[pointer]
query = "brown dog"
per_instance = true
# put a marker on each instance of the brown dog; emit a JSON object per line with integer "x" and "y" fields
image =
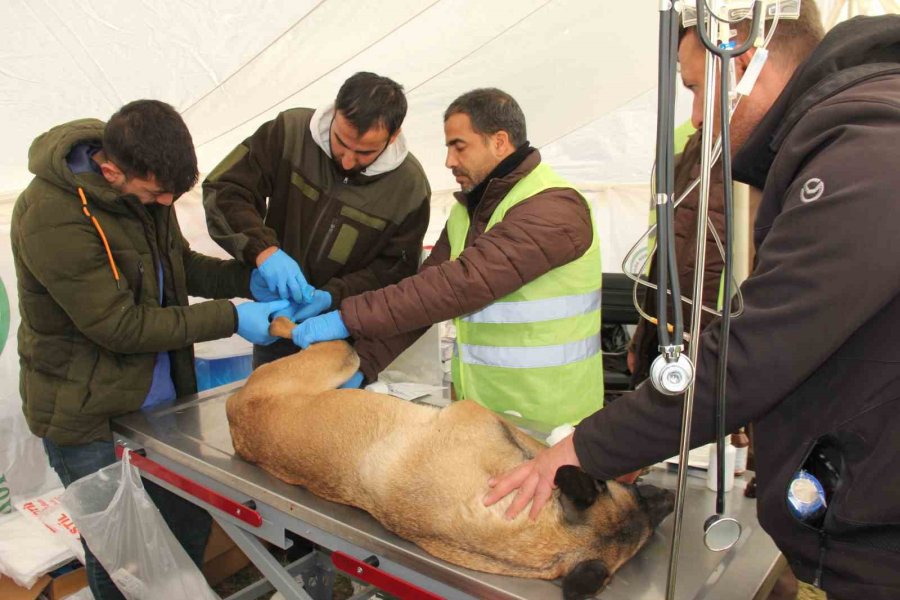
{"x": 423, "y": 471}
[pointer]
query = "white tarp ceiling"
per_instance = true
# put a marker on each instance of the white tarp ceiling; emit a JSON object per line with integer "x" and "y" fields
{"x": 230, "y": 65}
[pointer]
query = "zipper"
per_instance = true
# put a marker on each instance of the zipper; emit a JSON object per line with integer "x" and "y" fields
{"x": 324, "y": 243}
{"x": 823, "y": 540}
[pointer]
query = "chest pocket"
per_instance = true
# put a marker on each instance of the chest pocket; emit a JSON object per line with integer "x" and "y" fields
{"x": 357, "y": 234}
{"x": 132, "y": 267}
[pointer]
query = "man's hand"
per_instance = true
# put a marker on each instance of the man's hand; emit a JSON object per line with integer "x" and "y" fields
{"x": 320, "y": 301}
{"x": 283, "y": 276}
{"x": 533, "y": 479}
{"x": 253, "y": 320}
{"x": 259, "y": 289}
{"x": 323, "y": 328}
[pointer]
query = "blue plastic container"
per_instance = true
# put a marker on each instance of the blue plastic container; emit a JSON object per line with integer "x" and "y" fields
{"x": 219, "y": 371}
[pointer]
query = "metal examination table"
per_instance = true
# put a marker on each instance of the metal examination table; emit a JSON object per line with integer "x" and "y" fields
{"x": 187, "y": 448}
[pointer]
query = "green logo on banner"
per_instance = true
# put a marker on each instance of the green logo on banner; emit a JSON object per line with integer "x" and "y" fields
{"x": 4, "y": 316}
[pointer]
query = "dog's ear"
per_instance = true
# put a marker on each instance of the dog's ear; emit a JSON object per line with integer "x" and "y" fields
{"x": 577, "y": 491}
{"x": 585, "y": 580}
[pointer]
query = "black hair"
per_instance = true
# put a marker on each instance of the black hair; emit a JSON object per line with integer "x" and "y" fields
{"x": 368, "y": 100}
{"x": 491, "y": 110}
{"x": 149, "y": 137}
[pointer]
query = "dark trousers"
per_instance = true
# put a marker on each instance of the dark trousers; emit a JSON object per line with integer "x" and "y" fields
{"x": 189, "y": 523}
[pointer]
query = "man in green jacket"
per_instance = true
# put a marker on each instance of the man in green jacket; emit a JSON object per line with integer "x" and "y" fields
{"x": 328, "y": 197}
{"x": 103, "y": 277}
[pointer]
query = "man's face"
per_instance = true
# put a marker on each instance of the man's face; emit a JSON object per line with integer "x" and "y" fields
{"x": 750, "y": 111}
{"x": 470, "y": 156}
{"x": 351, "y": 151}
{"x": 146, "y": 189}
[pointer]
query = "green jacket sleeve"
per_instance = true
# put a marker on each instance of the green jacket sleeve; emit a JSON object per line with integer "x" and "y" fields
{"x": 69, "y": 261}
{"x": 235, "y": 193}
{"x": 209, "y": 277}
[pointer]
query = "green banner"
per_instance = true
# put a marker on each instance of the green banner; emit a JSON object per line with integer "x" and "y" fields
{"x": 4, "y": 316}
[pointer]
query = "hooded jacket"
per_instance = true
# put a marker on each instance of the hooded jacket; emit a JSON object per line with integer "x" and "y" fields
{"x": 813, "y": 361}
{"x": 88, "y": 340}
{"x": 280, "y": 188}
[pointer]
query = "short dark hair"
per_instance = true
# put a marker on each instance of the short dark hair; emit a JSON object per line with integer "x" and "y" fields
{"x": 149, "y": 137}
{"x": 367, "y": 100}
{"x": 794, "y": 39}
{"x": 491, "y": 110}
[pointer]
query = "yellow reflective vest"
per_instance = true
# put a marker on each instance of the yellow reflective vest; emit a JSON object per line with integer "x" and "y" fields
{"x": 535, "y": 352}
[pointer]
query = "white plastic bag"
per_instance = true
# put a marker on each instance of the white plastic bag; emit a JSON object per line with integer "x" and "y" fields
{"x": 130, "y": 538}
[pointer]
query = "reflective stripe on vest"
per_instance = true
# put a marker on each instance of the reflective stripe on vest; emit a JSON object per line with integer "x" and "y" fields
{"x": 537, "y": 350}
{"x": 529, "y": 311}
{"x": 510, "y": 357}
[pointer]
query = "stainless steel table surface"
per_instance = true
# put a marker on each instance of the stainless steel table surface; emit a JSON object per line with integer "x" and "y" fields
{"x": 193, "y": 434}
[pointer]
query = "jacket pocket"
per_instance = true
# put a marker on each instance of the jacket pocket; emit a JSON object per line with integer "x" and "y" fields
{"x": 871, "y": 474}
{"x": 355, "y": 237}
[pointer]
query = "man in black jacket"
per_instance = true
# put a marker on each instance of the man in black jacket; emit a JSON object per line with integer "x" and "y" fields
{"x": 813, "y": 363}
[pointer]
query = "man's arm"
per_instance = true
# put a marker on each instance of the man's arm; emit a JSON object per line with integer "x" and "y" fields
{"x": 398, "y": 259}
{"x": 235, "y": 193}
{"x": 69, "y": 261}
{"x": 535, "y": 236}
{"x": 209, "y": 277}
{"x": 802, "y": 302}
{"x": 375, "y": 354}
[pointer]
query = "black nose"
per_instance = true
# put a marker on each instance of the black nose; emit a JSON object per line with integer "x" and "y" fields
{"x": 658, "y": 502}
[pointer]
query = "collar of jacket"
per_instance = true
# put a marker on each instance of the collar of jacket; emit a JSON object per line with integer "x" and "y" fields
{"x": 497, "y": 187}
{"x": 392, "y": 157}
{"x": 853, "y": 51}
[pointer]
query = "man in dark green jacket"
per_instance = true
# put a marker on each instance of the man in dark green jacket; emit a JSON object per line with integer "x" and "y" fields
{"x": 103, "y": 277}
{"x": 328, "y": 197}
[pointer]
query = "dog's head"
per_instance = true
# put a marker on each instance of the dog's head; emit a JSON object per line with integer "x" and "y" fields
{"x": 612, "y": 518}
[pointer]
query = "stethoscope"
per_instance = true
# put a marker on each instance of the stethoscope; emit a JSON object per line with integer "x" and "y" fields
{"x": 672, "y": 372}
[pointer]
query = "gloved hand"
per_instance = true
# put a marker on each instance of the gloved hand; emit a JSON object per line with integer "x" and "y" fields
{"x": 259, "y": 289}
{"x": 298, "y": 313}
{"x": 253, "y": 320}
{"x": 354, "y": 382}
{"x": 321, "y": 300}
{"x": 284, "y": 277}
{"x": 323, "y": 328}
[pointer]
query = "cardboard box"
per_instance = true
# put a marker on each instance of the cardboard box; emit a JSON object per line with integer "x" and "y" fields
{"x": 54, "y": 588}
{"x": 222, "y": 558}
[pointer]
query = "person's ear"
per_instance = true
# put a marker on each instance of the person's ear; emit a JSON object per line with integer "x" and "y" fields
{"x": 741, "y": 63}
{"x": 394, "y": 137}
{"x": 112, "y": 173}
{"x": 500, "y": 143}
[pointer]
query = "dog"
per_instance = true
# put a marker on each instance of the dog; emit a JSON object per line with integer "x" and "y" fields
{"x": 422, "y": 471}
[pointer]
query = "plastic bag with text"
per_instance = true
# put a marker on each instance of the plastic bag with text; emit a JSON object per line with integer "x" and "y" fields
{"x": 130, "y": 538}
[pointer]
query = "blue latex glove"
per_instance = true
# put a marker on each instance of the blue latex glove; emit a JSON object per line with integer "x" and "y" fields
{"x": 298, "y": 313}
{"x": 320, "y": 329}
{"x": 253, "y": 320}
{"x": 354, "y": 382}
{"x": 259, "y": 289}
{"x": 321, "y": 300}
{"x": 284, "y": 277}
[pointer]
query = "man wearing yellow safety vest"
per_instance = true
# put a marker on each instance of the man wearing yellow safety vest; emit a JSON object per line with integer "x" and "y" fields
{"x": 517, "y": 267}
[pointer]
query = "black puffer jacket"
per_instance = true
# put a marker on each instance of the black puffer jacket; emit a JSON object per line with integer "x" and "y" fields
{"x": 813, "y": 361}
